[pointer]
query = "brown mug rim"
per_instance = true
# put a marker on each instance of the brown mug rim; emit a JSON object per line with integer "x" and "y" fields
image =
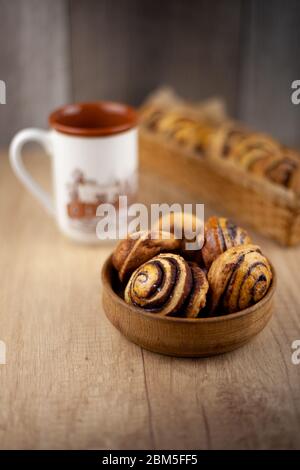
{"x": 130, "y": 121}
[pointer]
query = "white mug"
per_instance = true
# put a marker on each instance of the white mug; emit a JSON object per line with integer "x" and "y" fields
{"x": 93, "y": 150}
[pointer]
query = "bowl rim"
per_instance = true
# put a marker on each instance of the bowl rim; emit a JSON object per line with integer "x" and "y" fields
{"x": 108, "y": 266}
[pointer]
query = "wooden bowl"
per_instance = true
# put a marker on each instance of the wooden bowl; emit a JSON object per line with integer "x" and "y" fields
{"x": 183, "y": 337}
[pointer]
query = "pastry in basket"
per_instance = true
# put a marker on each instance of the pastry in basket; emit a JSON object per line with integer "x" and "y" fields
{"x": 238, "y": 278}
{"x": 168, "y": 285}
{"x": 285, "y": 170}
{"x": 224, "y": 139}
{"x": 264, "y": 157}
{"x": 249, "y": 175}
{"x": 203, "y": 136}
{"x": 185, "y": 134}
{"x": 220, "y": 234}
{"x": 172, "y": 122}
{"x": 193, "y": 135}
{"x": 150, "y": 116}
{"x": 253, "y": 150}
{"x": 139, "y": 247}
{"x": 255, "y": 153}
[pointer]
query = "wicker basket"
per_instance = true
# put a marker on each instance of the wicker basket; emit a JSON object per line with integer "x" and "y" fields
{"x": 270, "y": 209}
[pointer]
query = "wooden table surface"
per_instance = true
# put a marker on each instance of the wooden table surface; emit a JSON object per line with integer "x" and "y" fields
{"x": 72, "y": 381}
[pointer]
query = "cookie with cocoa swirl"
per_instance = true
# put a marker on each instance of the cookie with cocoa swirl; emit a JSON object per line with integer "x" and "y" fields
{"x": 238, "y": 278}
{"x": 186, "y": 226}
{"x": 197, "y": 298}
{"x": 220, "y": 234}
{"x": 139, "y": 247}
{"x": 168, "y": 285}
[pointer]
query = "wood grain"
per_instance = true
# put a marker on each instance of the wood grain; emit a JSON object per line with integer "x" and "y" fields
{"x": 269, "y": 64}
{"x": 72, "y": 381}
{"x": 34, "y": 62}
{"x": 65, "y": 50}
{"x": 122, "y": 50}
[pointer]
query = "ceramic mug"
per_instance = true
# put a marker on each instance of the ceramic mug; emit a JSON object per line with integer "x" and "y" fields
{"x": 93, "y": 150}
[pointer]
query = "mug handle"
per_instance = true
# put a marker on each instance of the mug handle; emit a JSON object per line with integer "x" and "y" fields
{"x": 15, "y": 156}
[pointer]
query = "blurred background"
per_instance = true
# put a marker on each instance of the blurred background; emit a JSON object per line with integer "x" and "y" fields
{"x": 58, "y": 51}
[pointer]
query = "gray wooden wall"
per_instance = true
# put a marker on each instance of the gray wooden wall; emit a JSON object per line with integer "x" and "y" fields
{"x": 57, "y": 51}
